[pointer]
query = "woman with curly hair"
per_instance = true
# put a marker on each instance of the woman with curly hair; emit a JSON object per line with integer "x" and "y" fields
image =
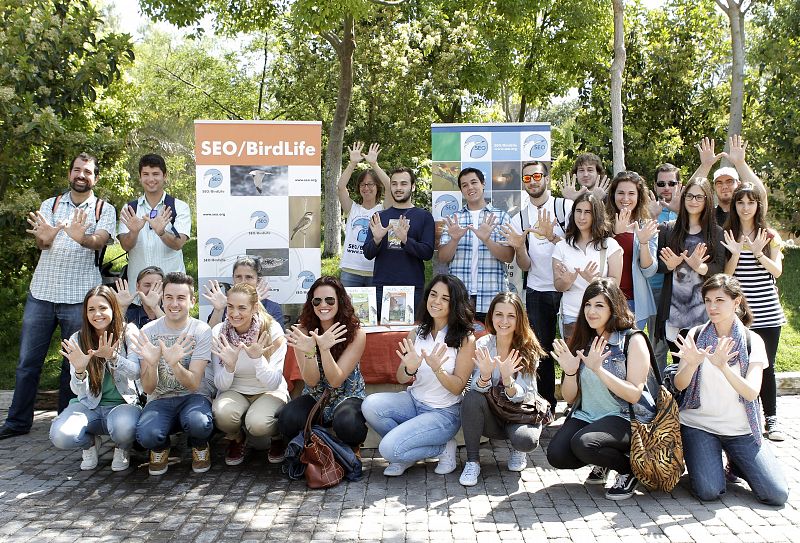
{"x": 508, "y": 354}
{"x": 422, "y": 421}
{"x": 328, "y": 343}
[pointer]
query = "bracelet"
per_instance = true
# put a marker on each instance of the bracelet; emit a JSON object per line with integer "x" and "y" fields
{"x": 441, "y": 370}
{"x": 484, "y": 381}
{"x": 405, "y": 370}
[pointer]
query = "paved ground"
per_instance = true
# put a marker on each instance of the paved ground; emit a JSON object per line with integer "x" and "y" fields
{"x": 45, "y": 497}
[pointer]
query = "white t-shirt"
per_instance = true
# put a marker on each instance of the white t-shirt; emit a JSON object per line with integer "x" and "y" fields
{"x": 540, "y": 251}
{"x": 355, "y": 235}
{"x": 574, "y": 257}
{"x": 426, "y": 387}
{"x": 720, "y": 411}
{"x": 473, "y": 266}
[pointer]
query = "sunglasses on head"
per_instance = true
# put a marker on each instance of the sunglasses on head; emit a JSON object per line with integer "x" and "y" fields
{"x": 538, "y": 176}
{"x": 663, "y": 184}
{"x": 329, "y": 300}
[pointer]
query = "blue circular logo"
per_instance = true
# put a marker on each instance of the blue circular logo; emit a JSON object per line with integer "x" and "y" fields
{"x": 535, "y": 146}
{"x": 476, "y": 146}
{"x": 361, "y": 227}
{"x": 446, "y": 205}
{"x": 306, "y": 279}
{"x": 212, "y": 178}
{"x": 215, "y": 246}
{"x": 260, "y": 220}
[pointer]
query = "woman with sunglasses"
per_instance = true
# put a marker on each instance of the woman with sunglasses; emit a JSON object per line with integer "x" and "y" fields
{"x": 328, "y": 343}
{"x": 422, "y": 421}
{"x": 105, "y": 383}
{"x": 690, "y": 249}
{"x": 720, "y": 369}
{"x": 246, "y": 269}
{"x": 627, "y": 206}
{"x": 247, "y": 359}
{"x": 756, "y": 260}
{"x": 606, "y": 365}
{"x": 508, "y": 354}
{"x": 370, "y": 185}
{"x": 587, "y": 251}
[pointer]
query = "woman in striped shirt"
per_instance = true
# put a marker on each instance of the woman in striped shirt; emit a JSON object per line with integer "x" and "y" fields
{"x": 755, "y": 259}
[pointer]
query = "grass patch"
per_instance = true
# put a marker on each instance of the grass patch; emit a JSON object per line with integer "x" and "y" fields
{"x": 788, "y": 358}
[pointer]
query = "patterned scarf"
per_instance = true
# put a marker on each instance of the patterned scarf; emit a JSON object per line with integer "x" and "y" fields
{"x": 248, "y": 338}
{"x": 708, "y": 337}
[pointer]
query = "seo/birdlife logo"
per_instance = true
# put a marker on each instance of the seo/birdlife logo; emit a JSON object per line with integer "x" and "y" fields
{"x": 212, "y": 178}
{"x": 475, "y": 146}
{"x": 305, "y": 279}
{"x": 361, "y": 227}
{"x": 259, "y": 220}
{"x": 214, "y": 246}
{"x": 535, "y": 146}
{"x": 446, "y": 205}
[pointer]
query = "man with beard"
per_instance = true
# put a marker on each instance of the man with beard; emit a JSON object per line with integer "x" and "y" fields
{"x": 587, "y": 173}
{"x": 533, "y": 234}
{"x": 400, "y": 239}
{"x": 68, "y": 229}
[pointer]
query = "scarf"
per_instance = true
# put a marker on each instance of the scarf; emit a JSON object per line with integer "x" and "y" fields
{"x": 708, "y": 337}
{"x": 248, "y": 338}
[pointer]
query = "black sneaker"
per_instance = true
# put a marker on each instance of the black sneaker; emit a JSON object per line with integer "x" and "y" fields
{"x": 597, "y": 476}
{"x": 623, "y": 487}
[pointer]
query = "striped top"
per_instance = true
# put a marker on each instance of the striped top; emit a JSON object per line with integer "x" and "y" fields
{"x": 760, "y": 290}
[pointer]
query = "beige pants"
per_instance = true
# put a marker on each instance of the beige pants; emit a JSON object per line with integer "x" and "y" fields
{"x": 258, "y": 412}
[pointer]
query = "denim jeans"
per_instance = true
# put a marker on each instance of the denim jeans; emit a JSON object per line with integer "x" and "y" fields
{"x": 349, "y": 279}
{"x": 410, "y": 429}
{"x": 39, "y": 321}
{"x": 542, "y": 309}
{"x": 190, "y": 413}
{"x": 755, "y": 464}
{"x": 77, "y": 425}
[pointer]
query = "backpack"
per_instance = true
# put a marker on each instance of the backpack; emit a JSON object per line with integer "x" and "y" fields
{"x": 98, "y": 211}
{"x": 524, "y": 223}
{"x": 169, "y": 201}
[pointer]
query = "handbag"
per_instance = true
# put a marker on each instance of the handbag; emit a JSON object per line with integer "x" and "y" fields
{"x": 322, "y": 469}
{"x": 656, "y": 447}
{"x": 533, "y": 409}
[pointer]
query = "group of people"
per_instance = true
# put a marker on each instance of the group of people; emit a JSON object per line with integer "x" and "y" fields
{"x": 603, "y": 262}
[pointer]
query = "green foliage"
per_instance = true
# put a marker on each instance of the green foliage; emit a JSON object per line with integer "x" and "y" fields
{"x": 788, "y": 358}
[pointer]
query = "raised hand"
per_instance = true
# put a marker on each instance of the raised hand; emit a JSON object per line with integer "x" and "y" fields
{"x": 561, "y": 354}
{"x": 544, "y": 224}
{"x": 675, "y": 203}
{"x": 76, "y": 357}
{"x": 453, "y": 229}
{"x": 141, "y": 345}
{"x": 401, "y": 230}
{"x": 485, "y": 363}
{"x": 569, "y": 187}
{"x": 730, "y": 243}
{"x": 42, "y": 229}
{"x": 485, "y": 229}
{"x": 759, "y": 241}
{"x": 300, "y": 341}
{"x": 510, "y": 366}
{"x": 262, "y": 288}
{"x": 590, "y": 271}
{"x": 355, "y": 152}
{"x": 227, "y": 353}
{"x": 601, "y": 188}
{"x": 105, "y": 347}
{"x": 372, "y": 155}
{"x": 408, "y": 355}
{"x": 707, "y": 156}
{"x": 655, "y": 205}
{"x": 153, "y": 297}
{"x": 565, "y": 275}
{"x": 161, "y": 221}
{"x": 333, "y": 335}
{"x": 698, "y": 257}
{"x": 128, "y": 217}
{"x": 689, "y": 352}
{"x": 177, "y": 351}
{"x": 622, "y": 223}
{"x": 214, "y": 294}
{"x": 513, "y": 238}
{"x": 264, "y": 346}
{"x": 77, "y": 227}
{"x": 736, "y": 150}
{"x": 377, "y": 228}
{"x": 597, "y": 352}
{"x": 437, "y": 357}
{"x": 122, "y": 294}
{"x": 723, "y": 352}
{"x": 645, "y": 231}
{"x": 669, "y": 258}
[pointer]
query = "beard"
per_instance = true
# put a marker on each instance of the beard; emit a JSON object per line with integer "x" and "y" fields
{"x": 402, "y": 200}
{"x": 534, "y": 192}
{"x": 85, "y": 187}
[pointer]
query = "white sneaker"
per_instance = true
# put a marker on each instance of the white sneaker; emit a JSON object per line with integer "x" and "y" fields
{"x": 517, "y": 460}
{"x": 469, "y": 477}
{"x": 396, "y": 469}
{"x": 90, "y": 455}
{"x": 122, "y": 460}
{"x": 447, "y": 460}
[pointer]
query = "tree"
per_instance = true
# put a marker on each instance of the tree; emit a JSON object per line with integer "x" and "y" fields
{"x": 736, "y": 11}
{"x": 617, "y": 69}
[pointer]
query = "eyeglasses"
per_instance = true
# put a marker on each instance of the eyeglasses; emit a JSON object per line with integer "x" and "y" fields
{"x": 663, "y": 184}
{"x": 329, "y": 300}
{"x": 698, "y": 197}
{"x": 538, "y": 176}
{"x": 368, "y": 185}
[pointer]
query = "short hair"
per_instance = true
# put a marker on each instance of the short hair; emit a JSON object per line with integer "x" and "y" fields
{"x": 667, "y": 167}
{"x": 153, "y": 161}
{"x": 404, "y": 169}
{"x": 588, "y": 159}
{"x": 469, "y": 170}
{"x": 545, "y": 166}
{"x": 378, "y": 185}
{"x": 150, "y": 270}
{"x": 179, "y": 278}
{"x": 86, "y": 157}
{"x": 250, "y": 261}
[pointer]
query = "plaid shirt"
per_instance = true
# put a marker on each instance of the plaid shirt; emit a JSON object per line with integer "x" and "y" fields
{"x": 492, "y": 274}
{"x": 66, "y": 270}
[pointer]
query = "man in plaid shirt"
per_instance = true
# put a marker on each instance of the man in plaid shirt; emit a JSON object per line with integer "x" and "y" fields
{"x": 470, "y": 243}
{"x": 68, "y": 233}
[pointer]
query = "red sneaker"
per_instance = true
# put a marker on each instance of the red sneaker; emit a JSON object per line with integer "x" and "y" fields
{"x": 234, "y": 455}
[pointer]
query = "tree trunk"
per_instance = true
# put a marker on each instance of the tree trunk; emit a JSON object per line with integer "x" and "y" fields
{"x": 333, "y": 156}
{"x": 736, "y": 18}
{"x": 617, "y": 68}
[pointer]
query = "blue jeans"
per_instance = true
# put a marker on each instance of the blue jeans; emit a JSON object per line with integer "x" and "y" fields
{"x": 755, "y": 464}
{"x": 39, "y": 321}
{"x": 410, "y": 429}
{"x": 77, "y": 425}
{"x": 190, "y": 413}
{"x": 542, "y": 309}
{"x": 354, "y": 280}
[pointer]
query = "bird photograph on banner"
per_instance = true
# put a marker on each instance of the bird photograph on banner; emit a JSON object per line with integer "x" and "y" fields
{"x": 305, "y": 227}
{"x": 259, "y": 180}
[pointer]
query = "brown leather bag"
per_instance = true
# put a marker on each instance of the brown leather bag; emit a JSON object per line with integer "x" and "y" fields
{"x": 532, "y": 410}
{"x": 322, "y": 469}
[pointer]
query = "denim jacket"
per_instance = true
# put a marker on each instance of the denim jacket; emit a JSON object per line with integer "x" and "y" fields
{"x": 644, "y": 410}
{"x": 524, "y": 381}
{"x": 642, "y": 293}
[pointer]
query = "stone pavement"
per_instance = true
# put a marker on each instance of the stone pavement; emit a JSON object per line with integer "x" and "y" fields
{"x": 45, "y": 497}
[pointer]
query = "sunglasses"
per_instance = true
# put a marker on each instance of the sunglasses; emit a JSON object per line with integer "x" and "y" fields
{"x": 663, "y": 184}
{"x": 538, "y": 176}
{"x": 329, "y": 300}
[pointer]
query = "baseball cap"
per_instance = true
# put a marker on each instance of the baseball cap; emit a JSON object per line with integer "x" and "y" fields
{"x": 727, "y": 170}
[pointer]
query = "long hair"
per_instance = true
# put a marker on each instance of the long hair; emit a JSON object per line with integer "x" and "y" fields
{"x": 362, "y": 177}
{"x": 640, "y": 212}
{"x": 523, "y": 340}
{"x": 600, "y": 230}
{"x": 707, "y": 220}
{"x": 734, "y": 222}
{"x": 89, "y": 337}
{"x": 345, "y": 314}
{"x": 732, "y": 288}
{"x": 621, "y": 316}
{"x": 255, "y": 303}
{"x": 460, "y": 315}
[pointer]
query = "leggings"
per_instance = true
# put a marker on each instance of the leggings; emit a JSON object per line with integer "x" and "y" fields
{"x": 604, "y": 443}
{"x": 771, "y": 336}
{"x": 478, "y": 420}
{"x": 348, "y": 422}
